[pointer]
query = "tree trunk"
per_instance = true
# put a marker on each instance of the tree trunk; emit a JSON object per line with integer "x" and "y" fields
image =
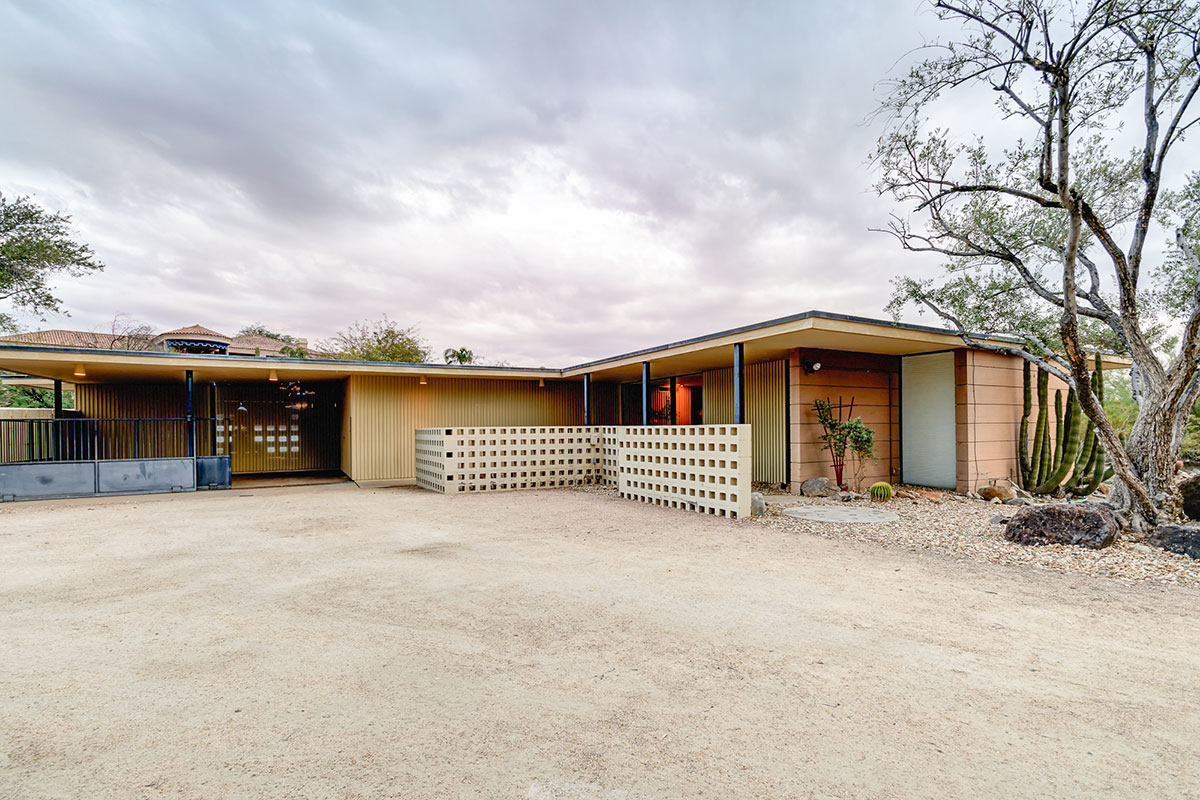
{"x": 1152, "y": 455}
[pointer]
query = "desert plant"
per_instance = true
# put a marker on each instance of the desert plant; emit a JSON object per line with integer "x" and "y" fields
{"x": 1070, "y": 457}
{"x": 881, "y": 492}
{"x": 842, "y": 434}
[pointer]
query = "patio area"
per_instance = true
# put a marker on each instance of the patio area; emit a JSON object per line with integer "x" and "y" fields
{"x": 332, "y": 641}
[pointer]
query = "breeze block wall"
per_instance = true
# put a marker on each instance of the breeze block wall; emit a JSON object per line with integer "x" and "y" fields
{"x": 702, "y": 468}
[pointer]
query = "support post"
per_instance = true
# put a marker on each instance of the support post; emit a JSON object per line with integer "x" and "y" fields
{"x": 674, "y": 405}
{"x": 212, "y": 419}
{"x": 587, "y": 398}
{"x": 739, "y": 384}
{"x": 191, "y": 420}
{"x": 645, "y": 392}
{"x": 58, "y": 439}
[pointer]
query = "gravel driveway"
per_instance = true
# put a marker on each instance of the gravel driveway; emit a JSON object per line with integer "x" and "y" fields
{"x": 335, "y": 642}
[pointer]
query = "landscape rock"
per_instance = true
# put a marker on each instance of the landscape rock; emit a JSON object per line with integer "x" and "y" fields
{"x": 999, "y": 519}
{"x": 758, "y": 504}
{"x": 930, "y": 495}
{"x": 1083, "y": 524}
{"x": 1182, "y": 539}
{"x": 819, "y": 487}
{"x": 846, "y": 497}
{"x": 1018, "y": 501}
{"x": 1190, "y": 489}
{"x": 1000, "y": 490}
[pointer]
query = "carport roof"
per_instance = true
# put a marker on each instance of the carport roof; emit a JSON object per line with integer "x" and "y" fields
{"x": 763, "y": 341}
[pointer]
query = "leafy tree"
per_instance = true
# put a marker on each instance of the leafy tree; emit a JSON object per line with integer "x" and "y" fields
{"x": 840, "y": 435}
{"x": 258, "y": 329}
{"x": 27, "y": 397}
{"x": 460, "y": 355}
{"x": 1052, "y": 211}
{"x": 35, "y": 244}
{"x": 381, "y": 340}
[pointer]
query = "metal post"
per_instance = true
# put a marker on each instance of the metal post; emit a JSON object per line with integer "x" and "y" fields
{"x": 58, "y": 448}
{"x": 645, "y": 392}
{"x": 191, "y": 420}
{"x": 212, "y": 419}
{"x": 739, "y": 384}
{"x": 674, "y": 406}
{"x": 587, "y": 398}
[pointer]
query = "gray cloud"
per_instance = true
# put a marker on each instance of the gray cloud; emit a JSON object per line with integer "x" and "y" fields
{"x": 543, "y": 182}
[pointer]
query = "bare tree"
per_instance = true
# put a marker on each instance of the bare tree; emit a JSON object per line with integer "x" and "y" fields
{"x": 1048, "y": 232}
{"x": 126, "y": 333}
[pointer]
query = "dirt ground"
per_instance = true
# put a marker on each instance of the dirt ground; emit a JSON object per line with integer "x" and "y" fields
{"x": 335, "y": 642}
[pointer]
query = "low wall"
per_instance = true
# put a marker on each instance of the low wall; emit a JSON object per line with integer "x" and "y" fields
{"x": 703, "y": 468}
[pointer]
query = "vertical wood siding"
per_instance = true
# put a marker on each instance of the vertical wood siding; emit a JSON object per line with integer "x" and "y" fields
{"x": 766, "y": 412}
{"x": 383, "y": 413}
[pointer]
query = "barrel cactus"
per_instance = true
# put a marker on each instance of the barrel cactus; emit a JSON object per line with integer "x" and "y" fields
{"x": 881, "y": 492}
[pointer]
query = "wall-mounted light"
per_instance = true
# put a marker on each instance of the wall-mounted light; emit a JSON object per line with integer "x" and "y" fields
{"x": 80, "y": 372}
{"x": 811, "y": 366}
{"x": 541, "y": 383}
{"x": 274, "y": 376}
{"x": 424, "y": 382}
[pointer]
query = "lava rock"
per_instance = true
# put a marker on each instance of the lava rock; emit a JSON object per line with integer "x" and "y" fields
{"x": 819, "y": 487}
{"x": 1002, "y": 491}
{"x": 758, "y": 504}
{"x": 1082, "y": 524}
{"x": 1182, "y": 539}
{"x": 1190, "y": 489}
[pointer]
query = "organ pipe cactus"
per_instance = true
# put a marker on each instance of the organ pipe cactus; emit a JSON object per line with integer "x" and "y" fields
{"x": 1070, "y": 458}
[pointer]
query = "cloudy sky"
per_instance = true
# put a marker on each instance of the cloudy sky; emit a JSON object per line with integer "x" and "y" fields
{"x": 545, "y": 183}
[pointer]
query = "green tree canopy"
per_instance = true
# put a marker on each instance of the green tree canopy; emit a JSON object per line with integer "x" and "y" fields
{"x": 460, "y": 355}
{"x": 35, "y": 244}
{"x": 380, "y": 340}
{"x": 258, "y": 329}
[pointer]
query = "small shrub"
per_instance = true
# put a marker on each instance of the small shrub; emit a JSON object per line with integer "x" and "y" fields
{"x": 881, "y": 492}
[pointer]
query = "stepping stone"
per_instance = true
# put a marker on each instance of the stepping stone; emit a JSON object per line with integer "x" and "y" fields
{"x": 840, "y": 514}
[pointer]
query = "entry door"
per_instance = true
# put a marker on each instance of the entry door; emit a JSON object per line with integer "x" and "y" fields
{"x": 927, "y": 432}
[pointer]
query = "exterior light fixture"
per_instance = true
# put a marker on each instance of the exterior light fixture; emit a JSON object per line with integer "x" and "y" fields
{"x": 811, "y": 366}
{"x": 541, "y": 383}
{"x": 424, "y": 381}
{"x": 80, "y": 372}
{"x": 273, "y": 376}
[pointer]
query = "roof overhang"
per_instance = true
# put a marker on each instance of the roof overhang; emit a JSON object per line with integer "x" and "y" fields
{"x": 765, "y": 341}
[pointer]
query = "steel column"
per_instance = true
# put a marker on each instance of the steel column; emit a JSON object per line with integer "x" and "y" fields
{"x": 645, "y": 392}
{"x": 58, "y": 448}
{"x": 191, "y": 420}
{"x": 739, "y": 384}
{"x": 587, "y": 398}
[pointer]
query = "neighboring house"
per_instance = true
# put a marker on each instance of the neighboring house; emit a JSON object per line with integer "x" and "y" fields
{"x": 192, "y": 339}
{"x": 944, "y": 415}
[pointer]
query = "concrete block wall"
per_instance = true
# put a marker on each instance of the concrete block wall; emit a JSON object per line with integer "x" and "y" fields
{"x": 703, "y": 468}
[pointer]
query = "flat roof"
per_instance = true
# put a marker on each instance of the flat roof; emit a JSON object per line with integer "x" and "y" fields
{"x": 763, "y": 341}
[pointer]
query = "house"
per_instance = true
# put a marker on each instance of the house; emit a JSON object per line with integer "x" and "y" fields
{"x": 191, "y": 339}
{"x": 944, "y": 415}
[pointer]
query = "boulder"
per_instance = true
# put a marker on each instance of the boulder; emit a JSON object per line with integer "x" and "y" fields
{"x": 1000, "y": 490}
{"x": 1083, "y": 524}
{"x": 1182, "y": 539}
{"x": 819, "y": 487}
{"x": 758, "y": 504}
{"x": 1190, "y": 489}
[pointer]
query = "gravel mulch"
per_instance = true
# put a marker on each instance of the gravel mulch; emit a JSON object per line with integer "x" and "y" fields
{"x": 958, "y": 526}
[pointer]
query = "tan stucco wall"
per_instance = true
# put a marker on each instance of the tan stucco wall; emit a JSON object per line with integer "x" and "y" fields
{"x": 383, "y": 412}
{"x": 873, "y": 383}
